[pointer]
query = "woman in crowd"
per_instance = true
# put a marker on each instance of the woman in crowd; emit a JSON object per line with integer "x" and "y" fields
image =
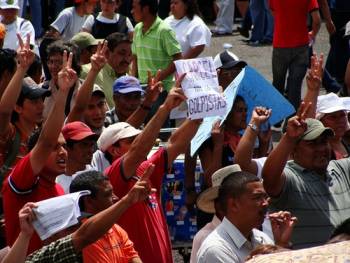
{"x": 191, "y": 32}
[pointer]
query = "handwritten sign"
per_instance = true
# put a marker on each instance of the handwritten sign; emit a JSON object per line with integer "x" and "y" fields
{"x": 200, "y": 86}
{"x": 256, "y": 91}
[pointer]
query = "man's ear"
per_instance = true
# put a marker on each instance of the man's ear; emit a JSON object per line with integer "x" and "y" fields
{"x": 88, "y": 202}
{"x": 232, "y": 205}
{"x": 114, "y": 151}
{"x": 18, "y": 109}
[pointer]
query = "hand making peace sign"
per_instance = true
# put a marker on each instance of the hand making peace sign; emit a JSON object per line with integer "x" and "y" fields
{"x": 25, "y": 56}
{"x": 67, "y": 76}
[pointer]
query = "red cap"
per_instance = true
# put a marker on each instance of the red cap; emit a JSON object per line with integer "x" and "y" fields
{"x": 77, "y": 131}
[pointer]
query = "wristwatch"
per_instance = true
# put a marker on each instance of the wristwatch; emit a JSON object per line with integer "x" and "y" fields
{"x": 253, "y": 127}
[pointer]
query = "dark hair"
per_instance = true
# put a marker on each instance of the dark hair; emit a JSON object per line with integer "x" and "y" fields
{"x": 115, "y": 39}
{"x": 192, "y": 8}
{"x": 152, "y": 5}
{"x": 238, "y": 99}
{"x": 35, "y": 66}
{"x": 7, "y": 61}
{"x": 87, "y": 180}
{"x": 343, "y": 228}
{"x": 58, "y": 47}
{"x": 234, "y": 185}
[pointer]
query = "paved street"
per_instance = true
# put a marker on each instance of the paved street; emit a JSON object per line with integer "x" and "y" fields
{"x": 259, "y": 57}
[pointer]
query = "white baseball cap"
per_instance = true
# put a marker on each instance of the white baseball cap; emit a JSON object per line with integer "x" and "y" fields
{"x": 331, "y": 103}
{"x": 114, "y": 133}
{"x": 9, "y": 4}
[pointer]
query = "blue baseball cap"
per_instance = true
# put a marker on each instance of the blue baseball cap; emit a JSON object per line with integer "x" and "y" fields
{"x": 127, "y": 84}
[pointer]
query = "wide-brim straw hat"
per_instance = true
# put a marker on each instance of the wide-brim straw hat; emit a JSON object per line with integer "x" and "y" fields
{"x": 205, "y": 200}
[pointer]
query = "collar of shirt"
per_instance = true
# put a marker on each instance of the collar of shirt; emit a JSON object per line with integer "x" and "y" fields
{"x": 155, "y": 24}
{"x": 110, "y": 71}
{"x": 238, "y": 239}
{"x": 216, "y": 221}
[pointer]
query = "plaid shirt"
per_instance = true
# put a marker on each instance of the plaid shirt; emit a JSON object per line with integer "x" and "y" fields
{"x": 60, "y": 251}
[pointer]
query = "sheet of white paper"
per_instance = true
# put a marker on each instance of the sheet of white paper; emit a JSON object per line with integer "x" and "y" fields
{"x": 55, "y": 214}
{"x": 201, "y": 88}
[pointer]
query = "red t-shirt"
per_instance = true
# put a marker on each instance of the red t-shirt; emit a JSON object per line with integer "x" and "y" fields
{"x": 144, "y": 221}
{"x": 114, "y": 247}
{"x": 291, "y": 22}
{"x": 23, "y": 186}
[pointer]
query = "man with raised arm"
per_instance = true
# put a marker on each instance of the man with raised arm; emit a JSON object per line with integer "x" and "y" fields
{"x": 33, "y": 178}
{"x": 21, "y": 108}
{"x": 311, "y": 186}
{"x": 145, "y": 222}
{"x": 69, "y": 248}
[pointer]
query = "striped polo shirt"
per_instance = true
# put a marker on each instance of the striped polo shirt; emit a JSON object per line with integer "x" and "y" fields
{"x": 319, "y": 204}
{"x": 155, "y": 49}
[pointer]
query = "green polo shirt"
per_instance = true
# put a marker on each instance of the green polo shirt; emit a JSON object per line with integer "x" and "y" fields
{"x": 155, "y": 49}
{"x": 105, "y": 79}
{"x": 319, "y": 202}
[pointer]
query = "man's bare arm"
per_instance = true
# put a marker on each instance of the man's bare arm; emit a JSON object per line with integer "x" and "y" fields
{"x": 145, "y": 140}
{"x": 52, "y": 127}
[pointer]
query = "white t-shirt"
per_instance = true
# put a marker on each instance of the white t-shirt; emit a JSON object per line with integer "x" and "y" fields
{"x": 91, "y": 20}
{"x": 21, "y": 26}
{"x": 190, "y": 33}
{"x": 69, "y": 23}
{"x": 64, "y": 181}
{"x": 99, "y": 161}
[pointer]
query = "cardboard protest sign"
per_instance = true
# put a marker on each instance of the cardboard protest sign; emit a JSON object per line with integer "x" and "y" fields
{"x": 200, "y": 86}
{"x": 256, "y": 91}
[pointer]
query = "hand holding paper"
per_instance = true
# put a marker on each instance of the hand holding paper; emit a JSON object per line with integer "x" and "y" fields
{"x": 201, "y": 88}
{"x": 55, "y": 214}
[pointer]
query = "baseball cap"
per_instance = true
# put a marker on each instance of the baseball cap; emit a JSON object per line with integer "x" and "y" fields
{"x": 2, "y": 31}
{"x": 77, "y": 131}
{"x": 127, "y": 84}
{"x": 330, "y": 103}
{"x": 31, "y": 90}
{"x": 315, "y": 129}
{"x": 205, "y": 200}
{"x": 84, "y": 40}
{"x": 9, "y": 4}
{"x": 227, "y": 60}
{"x": 98, "y": 91}
{"x": 114, "y": 133}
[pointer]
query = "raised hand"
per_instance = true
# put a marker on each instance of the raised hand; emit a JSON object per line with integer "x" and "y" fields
{"x": 154, "y": 88}
{"x": 260, "y": 115}
{"x": 217, "y": 133}
{"x": 26, "y": 217}
{"x": 67, "y": 76}
{"x": 142, "y": 189}
{"x": 25, "y": 56}
{"x": 175, "y": 95}
{"x": 282, "y": 224}
{"x": 296, "y": 125}
{"x": 98, "y": 60}
{"x": 315, "y": 73}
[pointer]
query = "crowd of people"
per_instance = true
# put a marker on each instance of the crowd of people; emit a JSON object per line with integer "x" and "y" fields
{"x": 82, "y": 104}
